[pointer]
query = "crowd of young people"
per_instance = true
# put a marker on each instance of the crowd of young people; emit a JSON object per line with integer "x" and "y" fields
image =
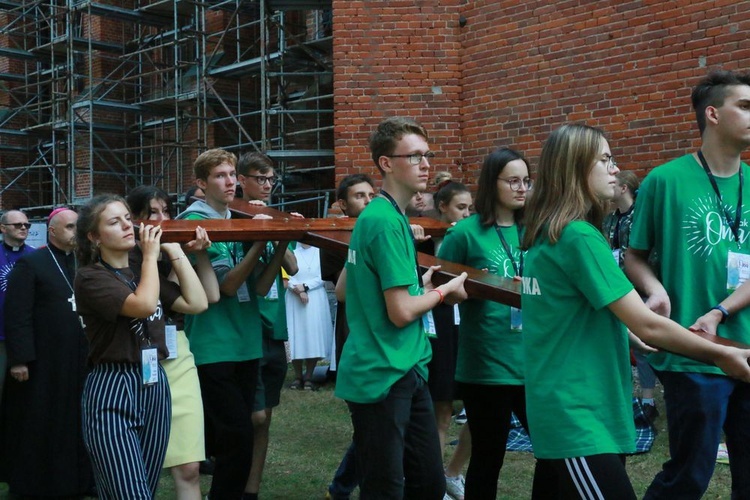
{"x": 177, "y": 333}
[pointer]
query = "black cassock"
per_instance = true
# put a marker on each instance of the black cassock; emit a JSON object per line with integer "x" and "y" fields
{"x": 42, "y": 444}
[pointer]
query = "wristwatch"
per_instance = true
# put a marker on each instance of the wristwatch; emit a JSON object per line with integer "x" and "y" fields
{"x": 307, "y": 288}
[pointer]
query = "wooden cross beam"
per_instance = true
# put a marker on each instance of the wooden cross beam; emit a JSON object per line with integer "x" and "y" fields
{"x": 333, "y": 234}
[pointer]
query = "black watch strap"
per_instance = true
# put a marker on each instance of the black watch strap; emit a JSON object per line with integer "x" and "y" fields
{"x": 723, "y": 311}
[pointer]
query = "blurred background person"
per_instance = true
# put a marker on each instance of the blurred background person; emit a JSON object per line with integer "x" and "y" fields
{"x": 308, "y": 317}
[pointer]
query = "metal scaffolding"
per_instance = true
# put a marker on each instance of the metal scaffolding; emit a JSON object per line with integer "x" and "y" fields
{"x": 102, "y": 97}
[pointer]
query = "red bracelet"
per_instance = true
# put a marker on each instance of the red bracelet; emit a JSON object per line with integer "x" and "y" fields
{"x": 442, "y": 297}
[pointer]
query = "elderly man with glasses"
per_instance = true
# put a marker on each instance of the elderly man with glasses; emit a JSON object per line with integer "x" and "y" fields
{"x": 14, "y": 226}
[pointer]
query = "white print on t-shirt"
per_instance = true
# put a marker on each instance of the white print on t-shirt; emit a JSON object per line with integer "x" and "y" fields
{"x": 531, "y": 286}
{"x": 351, "y": 257}
{"x": 500, "y": 264}
{"x": 706, "y": 227}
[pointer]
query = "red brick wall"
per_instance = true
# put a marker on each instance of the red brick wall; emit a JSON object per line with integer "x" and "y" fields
{"x": 398, "y": 57}
{"x": 517, "y": 70}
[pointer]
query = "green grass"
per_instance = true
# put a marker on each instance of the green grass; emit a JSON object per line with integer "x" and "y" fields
{"x": 311, "y": 431}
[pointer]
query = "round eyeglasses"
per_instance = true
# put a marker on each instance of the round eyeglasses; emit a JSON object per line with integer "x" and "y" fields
{"x": 515, "y": 183}
{"x": 610, "y": 163}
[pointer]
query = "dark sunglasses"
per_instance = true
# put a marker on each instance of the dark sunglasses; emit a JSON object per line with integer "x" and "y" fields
{"x": 19, "y": 225}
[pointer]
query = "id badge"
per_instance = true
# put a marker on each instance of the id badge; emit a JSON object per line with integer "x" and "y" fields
{"x": 516, "y": 322}
{"x": 149, "y": 365}
{"x": 273, "y": 293}
{"x": 170, "y": 335}
{"x": 428, "y": 325}
{"x": 242, "y": 294}
{"x": 738, "y": 270}
{"x": 456, "y": 315}
{"x": 616, "y": 255}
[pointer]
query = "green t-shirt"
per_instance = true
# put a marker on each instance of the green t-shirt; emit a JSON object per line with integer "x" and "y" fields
{"x": 576, "y": 353}
{"x": 377, "y": 353}
{"x": 228, "y": 330}
{"x": 273, "y": 304}
{"x": 678, "y": 214}
{"x": 489, "y": 352}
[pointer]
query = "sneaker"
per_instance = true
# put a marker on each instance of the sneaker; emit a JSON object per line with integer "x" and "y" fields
{"x": 461, "y": 417}
{"x": 454, "y": 486}
{"x": 650, "y": 412}
{"x": 722, "y": 456}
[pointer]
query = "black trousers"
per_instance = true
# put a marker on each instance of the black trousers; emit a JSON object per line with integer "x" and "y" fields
{"x": 228, "y": 391}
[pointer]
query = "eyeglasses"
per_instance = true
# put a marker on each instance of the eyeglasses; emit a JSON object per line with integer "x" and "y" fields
{"x": 415, "y": 158}
{"x": 610, "y": 163}
{"x": 18, "y": 225}
{"x": 262, "y": 179}
{"x": 515, "y": 183}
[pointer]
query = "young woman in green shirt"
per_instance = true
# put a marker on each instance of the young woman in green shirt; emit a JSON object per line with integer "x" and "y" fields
{"x": 575, "y": 300}
{"x": 489, "y": 369}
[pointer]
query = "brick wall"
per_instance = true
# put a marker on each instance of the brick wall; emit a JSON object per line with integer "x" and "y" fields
{"x": 517, "y": 70}
{"x": 390, "y": 58}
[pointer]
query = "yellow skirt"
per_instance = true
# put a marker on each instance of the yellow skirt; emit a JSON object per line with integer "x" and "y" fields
{"x": 186, "y": 439}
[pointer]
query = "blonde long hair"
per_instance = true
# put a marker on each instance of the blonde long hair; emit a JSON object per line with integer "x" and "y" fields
{"x": 561, "y": 191}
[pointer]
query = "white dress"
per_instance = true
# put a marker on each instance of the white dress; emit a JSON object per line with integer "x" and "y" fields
{"x": 309, "y": 325}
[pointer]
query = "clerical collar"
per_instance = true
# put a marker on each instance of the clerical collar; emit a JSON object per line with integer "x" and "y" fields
{"x": 58, "y": 249}
{"x": 12, "y": 248}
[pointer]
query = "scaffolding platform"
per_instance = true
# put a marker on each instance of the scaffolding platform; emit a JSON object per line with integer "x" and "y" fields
{"x": 135, "y": 89}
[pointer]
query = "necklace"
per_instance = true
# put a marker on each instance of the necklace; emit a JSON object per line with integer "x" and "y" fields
{"x": 307, "y": 257}
{"x": 72, "y": 299}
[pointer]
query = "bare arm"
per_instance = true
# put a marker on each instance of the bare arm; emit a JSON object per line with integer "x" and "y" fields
{"x": 239, "y": 273}
{"x": 662, "y": 332}
{"x": 644, "y": 279}
{"x": 207, "y": 277}
{"x": 193, "y": 298}
{"x": 341, "y": 286}
{"x": 404, "y": 308}
{"x": 268, "y": 276}
{"x": 203, "y": 267}
{"x": 734, "y": 303}
{"x": 143, "y": 301}
{"x": 290, "y": 263}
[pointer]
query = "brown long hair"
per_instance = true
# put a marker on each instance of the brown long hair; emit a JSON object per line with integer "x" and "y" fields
{"x": 88, "y": 222}
{"x": 486, "y": 199}
{"x": 561, "y": 192}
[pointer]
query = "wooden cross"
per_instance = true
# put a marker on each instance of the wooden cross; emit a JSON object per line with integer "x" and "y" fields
{"x": 333, "y": 234}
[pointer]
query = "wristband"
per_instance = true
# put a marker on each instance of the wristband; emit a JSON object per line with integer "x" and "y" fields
{"x": 723, "y": 311}
{"x": 442, "y": 297}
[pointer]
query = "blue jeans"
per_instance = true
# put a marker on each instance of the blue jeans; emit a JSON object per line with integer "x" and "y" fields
{"x": 397, "y": 445}
{"x": 345, "y": 480}
{"x": 646, "y": 375}
{"x": 698, "y": 406}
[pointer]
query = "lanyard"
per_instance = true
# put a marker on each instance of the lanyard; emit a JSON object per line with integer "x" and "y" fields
{"x": 734, "y": 226}
{"x": 517, "y": 266}
{"x": 614, "y": 234}
{"x": 388, "y": 197}
{"x": 139, "y": 325}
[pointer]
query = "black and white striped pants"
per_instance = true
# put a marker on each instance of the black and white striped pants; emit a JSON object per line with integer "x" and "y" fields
{"x": 125, "y": 429}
